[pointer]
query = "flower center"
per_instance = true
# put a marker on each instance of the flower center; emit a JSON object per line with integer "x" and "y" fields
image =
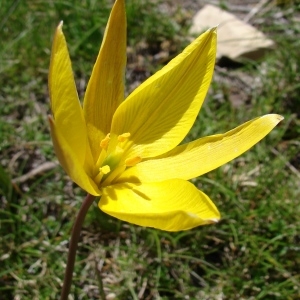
{"x": 112, "y": 161}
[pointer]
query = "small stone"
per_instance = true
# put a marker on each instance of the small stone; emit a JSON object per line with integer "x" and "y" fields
{"x": 237, "y": 40}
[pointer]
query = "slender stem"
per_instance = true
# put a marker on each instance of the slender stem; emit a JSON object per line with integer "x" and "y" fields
{"x": 88, "y": 201}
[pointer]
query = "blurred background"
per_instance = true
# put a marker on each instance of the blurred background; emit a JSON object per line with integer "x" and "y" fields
{"x": 252, "y": 253}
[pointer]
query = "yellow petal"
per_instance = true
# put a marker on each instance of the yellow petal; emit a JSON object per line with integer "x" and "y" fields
{"x": 170, "y": 205}
{"x": 69, "y": 161}
{"x": 105, "y": 90}
{"x": 203, "y": 155}
{"x": 160, "y": 112}
{"x": 65, "y": 105}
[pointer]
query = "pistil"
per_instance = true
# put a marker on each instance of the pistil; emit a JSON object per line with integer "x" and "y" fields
{"x": 111, "y": 162}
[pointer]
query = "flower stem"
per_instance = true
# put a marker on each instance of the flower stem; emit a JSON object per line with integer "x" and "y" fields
{"x": 88, "y": 201}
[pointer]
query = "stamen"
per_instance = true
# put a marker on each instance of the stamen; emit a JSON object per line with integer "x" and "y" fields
{"x": 104, "y": 142}
{"x": 113, "y": 175}
{"x": 130, "y": 162}
{"x": 123, "y": 137}
{"x": 102, "y": 171}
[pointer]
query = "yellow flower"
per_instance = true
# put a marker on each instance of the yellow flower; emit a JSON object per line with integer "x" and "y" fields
{"x": 127, "y": 151}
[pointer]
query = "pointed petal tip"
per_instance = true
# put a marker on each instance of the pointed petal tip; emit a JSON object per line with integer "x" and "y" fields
{"x": 212, "y": 220}
{"x": 119, "y": 4}
{"x": 60, "y": 25}
{"x": 212, "y": 30}
{"x": 215, "y": 220}
{"x": 279, "y": 118}
{"x": 50, "y": 119}
{"x": 274, "y": 117}
{"x": 59, "y": 32}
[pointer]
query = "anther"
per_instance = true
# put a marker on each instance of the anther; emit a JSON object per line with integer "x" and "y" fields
{"x": 123, "y": 137}
{"x": 104, "y": 142}
{"x": 130, "y": 162}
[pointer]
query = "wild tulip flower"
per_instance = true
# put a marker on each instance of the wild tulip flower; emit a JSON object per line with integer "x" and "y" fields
{"x": 126, "y": 151}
